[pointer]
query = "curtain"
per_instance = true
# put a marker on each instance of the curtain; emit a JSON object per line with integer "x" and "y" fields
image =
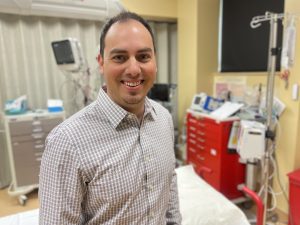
{"x": 27, "y": 63}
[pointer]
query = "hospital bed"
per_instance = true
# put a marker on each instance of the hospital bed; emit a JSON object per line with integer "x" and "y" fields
{"x": 200, "y": 204}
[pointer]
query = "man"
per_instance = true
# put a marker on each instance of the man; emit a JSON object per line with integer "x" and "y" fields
{"x": 113, "y": 162}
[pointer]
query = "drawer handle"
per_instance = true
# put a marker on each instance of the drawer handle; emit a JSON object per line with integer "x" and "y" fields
{"x": 36, "y": 122}
{"x": 38, "y": 154}
{"x": 202, "y": 170}
{"x": 37, "y": 136}
{"x": 202, "y": 125}
{"x": 192, "y": 128}
{"x": 36, "y": 130}
{"x": 39, "y": 146}
{"x": 193, "y": 135}
{"x": 192, "y": 150}
{"x": 192, "y": 141}
{"x": 192, "y": 120}
{"x": 38, "y": 159}
{"x": 201, "y": 158}
{"x": 201, "y": 133}
{"x": 201, "y": 140}
{"x": 201, "y": 147}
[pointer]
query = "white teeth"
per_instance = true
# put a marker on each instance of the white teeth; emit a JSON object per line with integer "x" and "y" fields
{"x": 132, "y": 84}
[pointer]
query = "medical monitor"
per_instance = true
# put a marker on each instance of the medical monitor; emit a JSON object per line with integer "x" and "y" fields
{"x": 68, "y": 54}
{"x": 198, "y": 102}
{"x": 160, "y": 92}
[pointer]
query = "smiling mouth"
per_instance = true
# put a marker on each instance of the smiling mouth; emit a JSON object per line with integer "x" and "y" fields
{"x": 132, "y": 84}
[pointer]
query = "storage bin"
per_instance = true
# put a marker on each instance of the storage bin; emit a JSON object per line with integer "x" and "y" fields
{"x": 294, "y": 197}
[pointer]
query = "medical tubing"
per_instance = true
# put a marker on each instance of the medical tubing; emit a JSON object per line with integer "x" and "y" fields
{"x": 259, "y": 204}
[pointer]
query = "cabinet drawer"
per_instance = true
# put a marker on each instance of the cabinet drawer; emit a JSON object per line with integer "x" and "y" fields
{"x": 209, "y": 131}
{"x": 20, "y": 128}
{"x": 194, "y": 144}
{"x": 208, "y": 160}
{"x": 27, "y": 175}
{"x": 49, "y": 124}
{"x": 27, "y": 153}
{"x": 29, "y": 137}
{"x": 212, "y": 177}
{"x": 208, "y": 174}
{"x": 191, "y": 155}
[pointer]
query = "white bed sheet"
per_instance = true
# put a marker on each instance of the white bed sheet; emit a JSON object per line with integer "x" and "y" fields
{"x": 24, "y": 218}
{"x": 200, "y": 204}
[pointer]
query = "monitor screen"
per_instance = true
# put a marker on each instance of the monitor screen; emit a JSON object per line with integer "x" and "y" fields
{"x": 197, "y": 100}
{"x": 242, "y": 48}
{"x": 63, "y": 52}
{"x": 160, "y": 92}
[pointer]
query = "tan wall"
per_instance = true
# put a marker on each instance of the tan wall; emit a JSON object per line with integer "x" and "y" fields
{"x": 197, "y": 67}
{"x": 208, "y": 19}
{"x": 153, "y": 8}
{"x": 187, "y": 54}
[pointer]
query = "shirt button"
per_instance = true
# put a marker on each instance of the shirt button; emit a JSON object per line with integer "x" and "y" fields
{"x": 147, "y": 158}
{"x": 150, "y": 187}
{"x": 151, "y": 215}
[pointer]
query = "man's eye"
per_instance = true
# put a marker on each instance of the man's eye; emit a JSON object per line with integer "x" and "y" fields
{"x": 144, "y": 57}
{"x": 119, "y": 58}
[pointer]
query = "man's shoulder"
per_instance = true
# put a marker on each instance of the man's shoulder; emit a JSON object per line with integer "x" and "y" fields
{"x": 77, "y": 123}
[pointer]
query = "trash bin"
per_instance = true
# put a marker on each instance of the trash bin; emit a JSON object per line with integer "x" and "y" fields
{"x": 294, "y": 197}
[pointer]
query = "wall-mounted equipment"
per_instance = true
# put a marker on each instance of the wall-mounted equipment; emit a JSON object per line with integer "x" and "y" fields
{"x": 68, "y": 55}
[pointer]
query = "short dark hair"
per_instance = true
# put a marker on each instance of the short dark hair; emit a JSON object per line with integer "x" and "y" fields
{"x": 121, "y": 17}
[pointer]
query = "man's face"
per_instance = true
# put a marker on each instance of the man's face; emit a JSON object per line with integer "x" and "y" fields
{"x": 128, "y": 64}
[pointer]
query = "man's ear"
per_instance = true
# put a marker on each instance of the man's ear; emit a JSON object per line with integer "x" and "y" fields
{"x": 100, "y": 62}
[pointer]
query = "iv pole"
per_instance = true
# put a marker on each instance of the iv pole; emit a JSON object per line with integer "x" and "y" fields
{"x": 272, "y": 55}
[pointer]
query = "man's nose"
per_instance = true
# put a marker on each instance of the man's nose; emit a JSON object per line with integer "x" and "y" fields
{"x": 134, "y": 67}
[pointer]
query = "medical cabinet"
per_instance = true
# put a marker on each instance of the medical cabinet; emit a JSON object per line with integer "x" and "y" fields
{"x": 207, "y": 151}
{"x": 25, "y": 138}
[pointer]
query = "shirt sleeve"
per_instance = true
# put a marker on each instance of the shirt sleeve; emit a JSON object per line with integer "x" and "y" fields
{"x": 173, "y": 216}
{"x": 60, "y": 183}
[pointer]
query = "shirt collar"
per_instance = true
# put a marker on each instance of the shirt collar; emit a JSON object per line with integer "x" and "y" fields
{"x": 115, "y": 114}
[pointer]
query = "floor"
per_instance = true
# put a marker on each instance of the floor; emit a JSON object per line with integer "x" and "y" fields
{"x": 10, "y": 205}
{"x": 273, "y": 218}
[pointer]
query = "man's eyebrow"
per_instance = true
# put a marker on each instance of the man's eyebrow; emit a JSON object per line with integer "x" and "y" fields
{"x": 145, "y": 50}
{"x": 122, "y": 51}
{"x": 117, "y": 50}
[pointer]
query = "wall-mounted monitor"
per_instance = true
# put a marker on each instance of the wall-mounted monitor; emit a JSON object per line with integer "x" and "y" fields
{"x": 68, "y": 54}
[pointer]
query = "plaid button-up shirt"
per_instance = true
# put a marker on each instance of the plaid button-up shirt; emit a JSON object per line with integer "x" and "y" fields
{"x": 101, "y": 166}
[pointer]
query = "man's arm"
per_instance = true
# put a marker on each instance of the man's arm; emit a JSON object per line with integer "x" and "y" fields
{"x": 60, "y": 183}
{"x": 173, "y": 215}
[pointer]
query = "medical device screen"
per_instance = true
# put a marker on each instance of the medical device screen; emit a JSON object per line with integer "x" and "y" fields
{"x": 63, "y": 52}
